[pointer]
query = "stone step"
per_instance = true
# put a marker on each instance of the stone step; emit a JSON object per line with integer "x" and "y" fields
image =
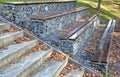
{"x": 23, "y": 67}
{"x": 7, "y": 38}
{"x": 72, "y": 69}
{"x": 50, "y": 68}
{"x": 15, "y": 51}
{"x": 4, "y": 26}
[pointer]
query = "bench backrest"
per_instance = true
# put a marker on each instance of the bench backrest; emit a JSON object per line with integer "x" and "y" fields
{"x": 105, "y": 44}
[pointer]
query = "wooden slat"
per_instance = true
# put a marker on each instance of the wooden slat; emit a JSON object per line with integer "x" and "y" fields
{"x": 98, "y": 55}
{"x": 111, "y": 39}
{"x": 100, "y": 46}
{"x": 69, "y": 34}
{"x": 105, "y": 44}
{"x": 80, "y": 31}
{"x": 59, "y": 13}
{"x": 82, "y": 26}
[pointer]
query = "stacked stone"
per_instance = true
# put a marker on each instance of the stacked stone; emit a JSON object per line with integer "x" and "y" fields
{"x": 76, "y": 46}
{"x": 21, "y": 13}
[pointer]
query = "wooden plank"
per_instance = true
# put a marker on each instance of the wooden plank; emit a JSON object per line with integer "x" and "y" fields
{"x": 57, "y": 14}
{"x": 75, "y": 31}
{"x": 69, "y": 34}
{"x": 84, "y": 28}
{"x": 111, "y": 39}
{"x": 100, "y": 46}
{"x": 105, "y": 44}
{"x": 98, "y": 56}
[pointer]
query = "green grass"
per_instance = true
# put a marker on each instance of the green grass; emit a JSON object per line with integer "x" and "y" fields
{"x": 116, "y": 0}
{"x": 110, "y": 9}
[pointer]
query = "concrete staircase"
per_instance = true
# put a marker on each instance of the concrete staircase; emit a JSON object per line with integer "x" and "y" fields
{"x": 22, "y": 56}
{"x": 11, "y": 53}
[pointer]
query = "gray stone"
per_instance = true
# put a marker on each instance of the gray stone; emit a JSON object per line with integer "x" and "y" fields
{"x": 15, "y": 51}
{"x": 7, "y": 38}
{"x": 4, "y": 26}
{"x": 50, "y": 68}
{"x": 23, "y": 67}
{"x": 27, "y": 11}
{"x": 76, "y": 46}
{"x": 22, "y": 14}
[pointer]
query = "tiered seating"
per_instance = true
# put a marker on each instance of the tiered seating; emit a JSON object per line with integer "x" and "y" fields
{"x": 58, "y": 20}
{"x": 22, "y": 12}
{"x": 30, "y": 56}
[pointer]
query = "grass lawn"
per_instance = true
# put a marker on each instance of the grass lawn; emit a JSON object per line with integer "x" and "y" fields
{"x": 110, "y": 9}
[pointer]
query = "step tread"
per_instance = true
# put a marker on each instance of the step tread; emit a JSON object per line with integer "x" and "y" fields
{"x": 21, "y": 65}
{"x": 4, "y": 26}
{"x": 58, "y": 13}
{"x": 48, "y": 69}
{"x": 2, "y": 36}
{"x": 7, "y": 38}
{"x": 13, "y": 48}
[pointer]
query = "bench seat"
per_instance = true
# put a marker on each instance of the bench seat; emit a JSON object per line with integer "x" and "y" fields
{"x": 54, "y": 14}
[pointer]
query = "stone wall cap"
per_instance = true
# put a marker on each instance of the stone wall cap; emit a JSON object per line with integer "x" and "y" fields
{"x": 39, "y": 2}
{"x": 58, "y": 13}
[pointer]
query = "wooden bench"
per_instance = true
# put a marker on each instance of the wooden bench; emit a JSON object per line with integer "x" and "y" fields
{"x": 105, "y": 44}
{"x": 77, "y": 31}
{"x": 51, "y": 15}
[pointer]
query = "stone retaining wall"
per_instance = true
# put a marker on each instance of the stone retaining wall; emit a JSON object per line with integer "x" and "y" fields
{"x": 21, "y": 15}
